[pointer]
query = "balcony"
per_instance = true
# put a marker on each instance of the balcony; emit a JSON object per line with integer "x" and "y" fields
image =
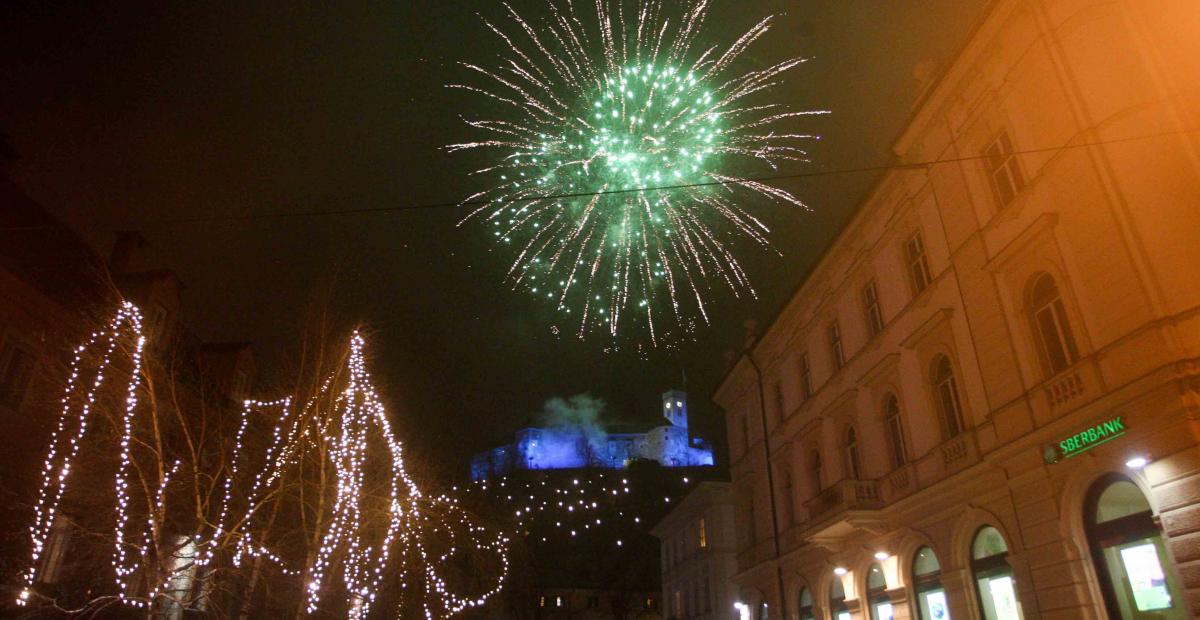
{"x": 844, "y": 496}
{"x": 900, "y": 483}
{"x": 959, "y": 452}
{"x": 1067, "y": 390}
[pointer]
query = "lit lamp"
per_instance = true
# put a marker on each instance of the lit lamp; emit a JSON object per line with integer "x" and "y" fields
{"x": 840, "y": 571}
{"x": 882, "y": 555}
{"x": 1137, "y": 462}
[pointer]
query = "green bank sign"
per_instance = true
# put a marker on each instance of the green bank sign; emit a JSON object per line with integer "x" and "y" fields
{"x": 1089, "y": 438}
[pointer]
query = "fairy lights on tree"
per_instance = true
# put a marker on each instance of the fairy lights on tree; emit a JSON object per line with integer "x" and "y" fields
{"x": 337, "y": 451}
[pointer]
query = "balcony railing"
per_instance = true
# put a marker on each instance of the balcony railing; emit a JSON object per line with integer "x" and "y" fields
{"x": 959, "y": 452}
{"x": 843, "y": 496}
{"x": 1063, "y": 389}
{"x": 899, "y": 483}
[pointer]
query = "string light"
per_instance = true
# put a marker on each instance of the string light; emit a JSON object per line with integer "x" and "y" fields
{"x": 347, "y": 430}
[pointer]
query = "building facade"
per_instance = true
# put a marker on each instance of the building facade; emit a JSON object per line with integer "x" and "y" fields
{"x": 984, "y": 400}
{"x": 580, "y": 446}
{"x": 699, "y": 554}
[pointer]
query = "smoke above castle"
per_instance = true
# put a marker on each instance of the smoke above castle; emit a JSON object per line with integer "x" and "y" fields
{"x": 573, "y": 436}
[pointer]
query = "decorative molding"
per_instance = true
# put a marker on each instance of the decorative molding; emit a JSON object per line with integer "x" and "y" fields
{"x": 884, "y": 364}
{"x": 1043, "y": 224}
{"x": 940, "y": 316}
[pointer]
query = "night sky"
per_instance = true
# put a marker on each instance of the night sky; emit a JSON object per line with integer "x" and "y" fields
{"x": 130, "y": 115}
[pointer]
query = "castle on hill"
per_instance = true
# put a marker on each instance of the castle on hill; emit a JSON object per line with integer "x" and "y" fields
{"x": 571, "y": 447}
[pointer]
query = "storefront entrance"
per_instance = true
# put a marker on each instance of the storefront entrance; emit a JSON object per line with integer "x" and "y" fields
{"x": 1129, "y": 555}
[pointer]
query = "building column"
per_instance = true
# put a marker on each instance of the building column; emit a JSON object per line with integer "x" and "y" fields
{"x": 960, "y": 596}
{"x": 900, "y": 604}
{"x": 1178, "y": 499}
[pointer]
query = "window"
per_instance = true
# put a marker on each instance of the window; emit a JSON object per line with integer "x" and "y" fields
{"x": 816, "y": 471}
{"x": 871, "y": 308}
{"x": 678, "y": 604}
{"x": 762, "y": 611}
{"x": 946, "y": 392}
{"x": 16, "y": 372}
{"x": 853, "y": 463}
{"x": 1050, "y": 325}
{"x": 805, "y": 603}
{"x": 746, "y": 432}
{"x": 835, "y": 346}
{"x": 1129, "y": 554}
{"x": 918, "y": 265}
{"x": 881, "y": 605}
{"x": 703, "y": 531}
{"x": 927, "y": 583}
{"x": 780, "y": 405}
{"x": 1004, "y": 170}
{"x": 805, "y": 377}
{"x": 996, "y": 588}
{"x": 558, "y": 601}
{"x": 895, "y": 431}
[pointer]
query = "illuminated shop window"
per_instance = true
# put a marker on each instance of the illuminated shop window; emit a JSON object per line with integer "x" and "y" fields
{"x": 805, "y": 602}
{"x": 881, "y": 605}
{"x": 1130, "y": 557}
{"x": 927, "y": 583}
{"x": 995, "y": 587}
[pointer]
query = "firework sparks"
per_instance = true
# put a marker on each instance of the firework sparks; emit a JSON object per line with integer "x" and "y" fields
{"x": 622, "y": 160}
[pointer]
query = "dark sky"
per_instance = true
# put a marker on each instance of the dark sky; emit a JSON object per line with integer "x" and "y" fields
{"x": 132, "y": 114}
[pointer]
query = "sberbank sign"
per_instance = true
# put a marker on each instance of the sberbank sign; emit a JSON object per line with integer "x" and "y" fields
{"x": 1091, "y": 437}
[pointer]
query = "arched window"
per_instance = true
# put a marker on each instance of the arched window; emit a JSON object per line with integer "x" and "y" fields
{"x": 837, "y": 600}
{"x": 1050, "y": 325}
{"x": 816, "y": 471}
{"x": 1128, "y": 553}
{"x": 853, "y": 463}
{"x": 805, "y": 604}
{"x": 762, "y": 611}
{"x": 881, "y": 605}
{"x": 895, "y": 431}
{"x": 927, "y": 583}
{"x": 945, "y": 389}
{"x": 995, "y": 587}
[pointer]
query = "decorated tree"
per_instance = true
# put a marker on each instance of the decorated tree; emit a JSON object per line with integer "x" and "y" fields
{"x": 160, "y": 497}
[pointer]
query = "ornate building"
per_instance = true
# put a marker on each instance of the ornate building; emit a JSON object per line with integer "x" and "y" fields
{"x": 572, "y": 447}
{"x": 983, "y": 402}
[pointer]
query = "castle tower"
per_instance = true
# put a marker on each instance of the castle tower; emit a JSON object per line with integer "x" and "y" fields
{"x": 675, "y": 408}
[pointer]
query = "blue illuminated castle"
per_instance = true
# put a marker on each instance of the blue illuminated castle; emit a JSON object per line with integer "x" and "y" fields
{"x": 570, "y": 447}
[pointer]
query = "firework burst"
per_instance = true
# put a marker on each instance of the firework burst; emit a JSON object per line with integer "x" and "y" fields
{"x": 622, "y": 160}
